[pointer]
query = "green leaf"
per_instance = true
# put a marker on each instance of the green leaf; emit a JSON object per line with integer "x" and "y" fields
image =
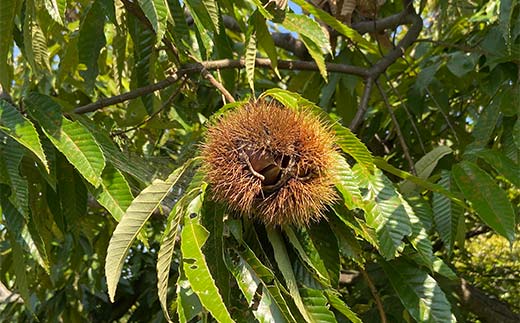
{"x": 180, "y": 28}
{"x": 422, "y": 208}
{"x": 135, "y": 166}
{"x": 22, "y": 130}
{"x": 335, "y": 300}
{"x": 360, "y": 227}
{"x": 419, "y": 238}
{"x": 337, "y": 25}
{"x": 53, "y": 10}
{"x": 312, "y": 36}
{"x": 188, "y": 304}
{"x": 250, "y": 55}
{"x": 516, "y": 134}
{"x": 347, "y": 185}
{"x": 164, "y": 258}
{"x": 386, "y": 212}
{"x": 72, "y": 192}
{"x": 348, "y": 245}
{"x": 7, "y": 14}
{"x": 157, "y": 13}
{"x": 438, "y": 266}
{"x": 485, "y": 126}
{"x": 505, "y": 19}
{"x": 133, "y": 221}
{"x": 381, "y": 163}
{"x": 12, "y": 154}
{"x": 14, "y": 224}
{"x": 114, "y": 193}
{"x": 213, "y": 11}
{"x": 327, "y": 249}
{"x": 262, "y": 10}
{"x": 246, "y": 278}
{"x": 267, "y": 310}
{"x": 91, "y": 41}
{"x": 266, "y": 277}
{"x": 282, "y": 259}
{"x": 419, "y": 292}
{"x": 317, "y": 305}
{"x": 35, "y": 44}
{"x": 426, "y": 76}
{"x": 144, "y": 41}
{"x": 425, "y": 166}
{"x": 21, "y": 273}
{"x": 487, "y": 198}
{"x": 71, "y": 138}
{"x": 308, "y": 253}
{"x": 505, "y": 166}
{"x": 461, "y": 63}
{"x": 265, "y": 41}
{"x": 203, "y": 13}
{"x": 350, "y": 144}
{"x": 316, "y": 54}
{"x": 213, "y": 217}
{"x": 194, "y": 263}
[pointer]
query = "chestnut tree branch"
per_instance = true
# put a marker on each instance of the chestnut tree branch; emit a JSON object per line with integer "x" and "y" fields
{"x": 207, "y": 75}
{"x": 363, "y": 105}
{"x": 193, "y": 68}
{"x": 377, "y": 299}
{"x": 402, "y": 141}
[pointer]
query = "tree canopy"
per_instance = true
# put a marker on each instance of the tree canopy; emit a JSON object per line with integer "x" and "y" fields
{"x": 107, "y": 214}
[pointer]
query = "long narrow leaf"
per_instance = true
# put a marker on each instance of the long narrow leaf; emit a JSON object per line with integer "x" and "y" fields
{"x": 446, "y": 214}
{"x": 194, "y": 263}
{"x": 346, "y": 183}
{"x": 282, "y": 259}
{"x": 419, "y": 292}
{"x": 250, "y": 55}
{"x": 488, "y": 199}
{"x": 266, "y": 276}
{"x": 337, "y": 25}
{"x": 71, "y": 138}
{"x": 308, "y": 253}
{"x": 425, "y": 166}
{"x": 312, "y": 35}
{"x": 336, "y": 302}
{"x": 157, "y": 13}
{"x": 350, "y": 144}
{"x": 131, "y": 223}
{"x": 164, "y": 258}
{"x": 7, "y": 14}
{"x": 115, "y": 194}
{"x": 91, "y": 41}
{"x": 386, "y": 212}
{"x": 22, "y": 130}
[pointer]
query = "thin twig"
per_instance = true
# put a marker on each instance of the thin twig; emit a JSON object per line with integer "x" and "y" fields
{"x": 444, "y": 115}
{"x": 155, "y": 113}
{"x": 404, "y": 146}
{"x": 373, "y": 290}
{"x": 193, "y": 68}
{"x": 390, "y": 22}
{"x": 363, "y": 106}
{"x": 405, "y": 107}
{"x": 400, "y": 49}
{"x": 207, "y": 75}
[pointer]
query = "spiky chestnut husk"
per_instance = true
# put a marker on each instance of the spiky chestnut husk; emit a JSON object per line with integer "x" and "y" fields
{"x": 272, "y": 163}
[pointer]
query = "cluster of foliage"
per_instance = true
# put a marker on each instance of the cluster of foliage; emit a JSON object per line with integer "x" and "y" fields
{"x": 488, "y": 262}
{"x": 89, "y": 201}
